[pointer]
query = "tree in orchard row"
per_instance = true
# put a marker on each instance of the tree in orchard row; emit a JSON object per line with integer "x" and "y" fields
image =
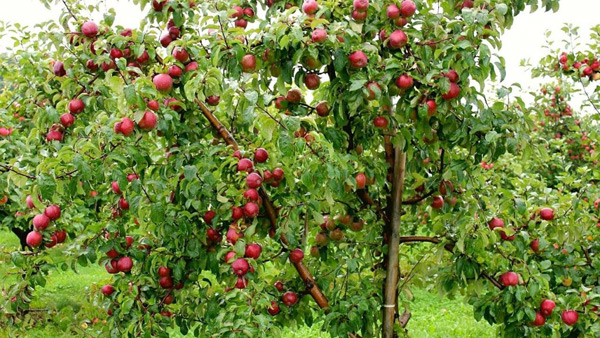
{"x": 204, "y": 201}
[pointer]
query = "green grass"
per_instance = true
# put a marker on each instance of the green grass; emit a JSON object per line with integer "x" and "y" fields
{"x": 68, "y": 292}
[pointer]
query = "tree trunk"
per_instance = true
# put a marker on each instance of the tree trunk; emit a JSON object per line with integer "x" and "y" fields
{"x": 22, "y": 235}
{"x": 391, "y": 280}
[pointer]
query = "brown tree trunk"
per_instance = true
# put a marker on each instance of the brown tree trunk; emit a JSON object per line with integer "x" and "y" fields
{"x": 391, "y": 280}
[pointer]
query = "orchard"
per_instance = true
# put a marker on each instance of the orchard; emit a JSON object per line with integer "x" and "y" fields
{"x": 238, "y": 167}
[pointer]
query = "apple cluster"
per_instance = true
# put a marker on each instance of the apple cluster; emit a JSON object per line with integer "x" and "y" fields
{"x": 41, "y": 222}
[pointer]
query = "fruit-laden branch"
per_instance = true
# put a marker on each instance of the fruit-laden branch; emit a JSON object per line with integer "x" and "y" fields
{"x": 10, "y": 168}
{"x": 449, "y": 247}
{"x": 391, "y": 279}
{"x": 311, "y": 286}
{"x": 432, "y": 191}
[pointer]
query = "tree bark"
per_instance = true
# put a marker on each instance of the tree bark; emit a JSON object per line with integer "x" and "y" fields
{"x": 391, "y": 280}
{"x": 22, "y": 235}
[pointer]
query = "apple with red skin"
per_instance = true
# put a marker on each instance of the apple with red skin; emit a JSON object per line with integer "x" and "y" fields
{"x": 322, "y": 109}
{"x": 380, "y": 122}
{"x": 361, "y": 5}
{"x": 125, "y": 264}
{"x": 261, "y": 155}
{"x": 213, "y": 100}
{"x": 115, "y": 187}
{"x": 166, "y": 282}
{"x": 431, "y": 107}
{"x": 126, "y": 127}
{"x": 467, "y": 4}
{"x": 312, "y": 81}
{"x": 251, "y": 210}
{"x": 241, "y": 283}
{"x": 392, "y": 11}
{"x": 404, "y": 81}
{"x": 52, "y": 212}
{"x": 245, "y": 164}
{"x": 249, "y": 12}
{"x": 240, "y": 267}
{"x": 148, "y": 121}
{"x": 321, "y": 239}
{"x": 59, "y": 69}
{"x": 358, "y": 59}
{"x": 123, "y": 204}
{"x": 535, "y": 245}
{"x": 310, "y": 6}
{"x": 407, "y": 8}
{"x": 54, "y": 135}
{"x": 229, "y": 256}
{"x": 361, "y": 181}
{"x": 41, "y": 222}
{"x": 168, "y": 299}
{"x": 289, "y": 298}
{"x": 359, "y": 16}
{"x": 539, "y": 320}
{"x": 89, "y": 29}
{"x": 34, "y": 239}
{"x": 496, "y": 223}
{"x": 319, "y": 35}
{"x": 163, "y": 82}
{"x": 253, "y": 181}
{"x": 112, "y": 253}
{"x": 372, "y": 89}
{"x": 279, "y": 286}
{"x": 251, "y": 194}
{"x": 278, "y": 174}
{"x": 208, "y": 216}
{"x": 336, "y": 235}
{"x": 175, "y": 71}
{"x": 67, "y": 120}
{"x": 509, "y": 279}
{"x": 438, "y": 202}
{"x": 166, "y": 40}
{"x": 398, "y": 39}
{"x": 274, "y": 308}
{"x": 547, "y": 214}
{"x": 128, "y": 242}
{"x": 248, "y": 63}
{"x": 192, "y": 66}
{"x": 452, "y": 93}
{"x": 547, "y": 306}
{"x": 253, "y": 251}
{"x": 107, "y": 290}
{"x": 233, "y": 235}
{"x": 76, "y": 106}
{"x": 61, "y": 236}
{"x": 569, "y": 317}
{"x": 174, "y": 32}
{"x": 294, "y": 96}
{"x": 237, "y": 213}
{"x": 29, "y": 202}
{"x": 296, "y": 256}
{"x": 112, "y": 266}
{"x": 116, "y": 53}
{"x": 452, "y": 75}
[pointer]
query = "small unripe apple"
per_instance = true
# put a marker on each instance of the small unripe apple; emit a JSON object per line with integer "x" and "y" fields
{"x": 253, "y": 251}
{"x": 163, "y": 82}
{"x": 34, "y": 239}
{"x": 41, "y": 222}
{"x": 296, "y": 256}
{"x": 52, "y": 212}
{"x": 89, "y": 29}
{"x": 240, "y": 267}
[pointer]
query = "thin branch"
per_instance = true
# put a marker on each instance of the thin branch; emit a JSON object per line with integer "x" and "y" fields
{"x": 69, "y": 10}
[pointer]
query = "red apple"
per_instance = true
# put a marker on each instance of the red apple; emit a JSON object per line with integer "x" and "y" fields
{"x": 245, "y": 164}
{"x": 496, "y": 223}
{"x": 539, "y": 320}
{"x": 361, "y": 5}
{"x": 358, "y": 59}
{"x": 251, "y": 210}
{"x": 310, "y": 6}
{"x": 289, "y": 298}
{"x": 76, "y": 106}
{"x": 41, "y": 222}
{"x": 407, "y": 8}
{"x": 52, "y": 212}
{"x": 312, "y": 81}
{"x": 253, "y": 180}
{"x": 361, "y": 181}
{"x": 274, "y": 308}
{"x": 124, "y": 264}
{"x": 322, "y": 109}
{"x": 509, "y": 279}
{"x": 107, "y": 290}
{"x": 404, "y": 81}
{"x": 89, "y": 29}
{"x": 240, "y": 267}
{"x": 34, "y": 239}
{"x": 319, "y": 35}
{"x": 67, "y": 120}
{"x": 547, "y": 214}
{"x": 392, "y": 11}
{"x": 569, "y": 317}
{"x": 248, "y": 63}
{"x": 127, "y": 126}
{"x": 163, "y": 82}
{"x": 398, "y": 39}
{"x": 261, "y": 155}
{"x": 253, "y": 251}
{"x": 166, "y": 282}
{"x": 175, "y": 71}
{"x": 148, "y": 121}
{"x": 452, "y": 93}
{"x": 438, "y": 202}
{"x": 547, "y": 306}
{"x": 180, "y": 54}
{"x": 296, "y": 256}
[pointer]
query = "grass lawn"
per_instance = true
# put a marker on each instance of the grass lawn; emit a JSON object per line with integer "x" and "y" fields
{"x": 431, "y": 316}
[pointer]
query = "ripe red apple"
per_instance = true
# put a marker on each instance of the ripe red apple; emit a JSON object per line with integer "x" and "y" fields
{"x": 34, "y": 239}
{"x": 358, "y": 59}
{"x": 174, "y": 32}
{"x": 241, "y": 283}
{"x": 398, "y": 39}
{"x": 404, "y": 81}
{"x": 321, "y": 239}
{"x": 289, "y": 298}
{"x": 213, "y": 100}
{"x": 431, "y": 107}
{"x": 438, "y": 202}
{"x": 240, "y": 267}
{"x": 89, "y": 29}
{"x": 59, "y": 69}
{"x": 251, "y": 194}
{"x": 509, "y": 279}
{"x": 237, "y": 213}
{"x": 569, "y": 317}
{"x": 166, "y": 282}
{"x": 319, "y": 35}
{"x": 361, "y": 5}
{"x": 535, "y": 245}
{"x": 452, "y": 75}
{"x": 312, "y": 81}
{"x": 41, "y": 222}
{"x": 116, "y": 53}
{"x": 248, "y": 63}
{"x": 310, "y": 6}
{"x": 233, "y": 235}
{"x": 249, "y": 12}
{"x": 407, "y": 8}
{"x": 229, "y": 256}
{"x": 166, "y": 40}
{"x": 180, "y": 54}
{"x": 279, "y": 286}
{"x": 261, "y": 155}
{"x": 29, "y": 201}
{"x": 175, "y": 71}
{"x": 168, "y": 299}
{"x": 547, "y": 214}
{"x": 115, "y": 187}
{"x": 245, "y": 164}
{"x": 359, "y": 16}
{"x": 76, "y": 106}
{"x": 336, "y": 235}
{"x": 111, "y": 267}
{"x": 208, "y": 216}
{"x": 124, "y": 264}
{"x": 253, "y": 251}
{"x": 372, "y": 88}
{"x": 539, "y": 320}
{"x": 123, "y": 204}
{"x": 496, "y": 223}
{"x": 322, "y": 109}
{"x": 251, "y": 210}
{"x": 52, "y": 212}
{"x": 274, "y": 308}
{"x": 253, "y": 180}
{"x": 163, "y": 82}
{"x": 296, "y": 256}
{"x": 192, "y": 66}
{"x": 361, "y": 181}
{"x": 380, "y": 122}
{"x": 294, "y": 96}
{"x": 452, "y": 93}
{"x": 107, "y": 290}
{"x": 547, "y": 306}
{"x": 67, "y": 120}
{"x": 278, "y": 174}
{"x": 392, "y": 11}
{"x": 127, "y": 126}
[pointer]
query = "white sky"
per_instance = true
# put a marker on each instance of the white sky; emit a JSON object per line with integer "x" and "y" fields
{"x": 524, "y": 40}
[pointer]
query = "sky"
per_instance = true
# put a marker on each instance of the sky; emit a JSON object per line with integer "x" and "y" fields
{"x": 525, "y": 39}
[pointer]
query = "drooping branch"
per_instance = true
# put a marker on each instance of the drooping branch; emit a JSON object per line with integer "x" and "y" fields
{"x": 306, "y": 276}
